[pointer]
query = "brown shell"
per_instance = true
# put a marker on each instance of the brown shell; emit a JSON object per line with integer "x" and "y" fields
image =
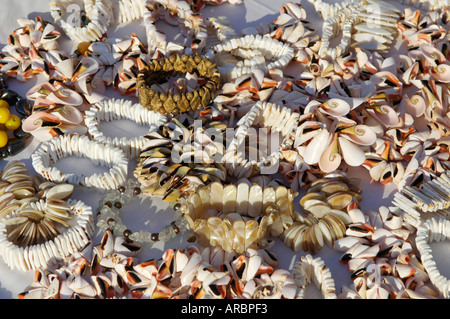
{"x": 158, "y": 71}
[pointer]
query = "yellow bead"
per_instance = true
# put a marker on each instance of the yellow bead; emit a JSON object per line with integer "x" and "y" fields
{"x": 13, "y": 123}
{"x": 4, "y": 115}
{"x": 3, "y": 138}
{"x": 3, "y": 103}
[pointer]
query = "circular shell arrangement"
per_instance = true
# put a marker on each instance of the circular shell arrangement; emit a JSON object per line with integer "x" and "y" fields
{"x": 276, "y": 120}
{"x": 112, "y": 110}
{"x": 81, "y": 146}
{"x": 40, "y": 224}
{"x": 161, "y": 70}
{"x": 238, "y": 217}
{"x": 92, "y": 26}
{"x": 279, "y": 53}
{"x": 176, "y": 159}
{"x": 31, "y": 237}
{"x": 433, "y": 230}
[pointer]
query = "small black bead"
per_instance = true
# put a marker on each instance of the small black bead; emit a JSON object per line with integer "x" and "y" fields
{"x": 127, "y": 233}
{"x": 19, "y": 133}
{"x": 137, "y": 191}
{"x": 155, "y": 237}
{"x": 109, "y": 204}
{"x": 23, "y": 107}
{"x": 121, "y": 189}
{"x": 9, "y": 96}
{"x": 191, "y": 239}
{"x": 118, "y": 205}
{"x": 3, "y": 82}
{"x": 15, "y": 146}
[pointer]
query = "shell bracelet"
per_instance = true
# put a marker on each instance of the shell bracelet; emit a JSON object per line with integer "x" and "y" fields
{"x": 238, "y": 217}
{"x": 32, "y": 255}
{"x": 190, "y": 24}
{"x": 429, "y": 200}
{"x": 270, "y": 49}
{"x": 328, "y": 10}
{"x": 434, "y": 229}
{"x": 160, "y": 70}
{"x": 177, "y": 159}
{"x": 272, "y": 117}
{"x": 329, "y": 203}
{"x": 39, "y": 224}
{"x": 370, "y": 26}
{"x": 111, "y": 110}
{"x": 93, "y": 21}
{"x": 174, "y": 13}
{"x": 113, "y": 202}
{"x": 81, "y": 146}
{"x": 313, "y": 270}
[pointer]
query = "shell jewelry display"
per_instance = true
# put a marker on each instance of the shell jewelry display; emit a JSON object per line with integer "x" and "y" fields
{"x": 190, "y": 273}
{"x": 329, "y": 204}
{"x": 429, "y": 200}
{"x": 279, "y": 54}
{"x": 286, "y": 144}
{"x": 25, "y": 55}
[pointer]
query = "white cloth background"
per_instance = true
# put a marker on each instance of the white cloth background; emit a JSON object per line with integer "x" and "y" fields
{"x": 153, "y": 212}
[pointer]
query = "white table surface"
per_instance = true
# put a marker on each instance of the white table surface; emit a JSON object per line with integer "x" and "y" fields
{"x": 250, "y": 13}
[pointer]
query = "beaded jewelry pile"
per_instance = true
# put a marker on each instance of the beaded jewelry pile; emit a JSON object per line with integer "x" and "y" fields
{"x": 254, "y": 138}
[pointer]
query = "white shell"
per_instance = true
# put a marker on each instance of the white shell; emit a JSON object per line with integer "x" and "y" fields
{"x": 81, "y": 146}
{"x": 110, "y": 110}
{"x": 45, "y": 255}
